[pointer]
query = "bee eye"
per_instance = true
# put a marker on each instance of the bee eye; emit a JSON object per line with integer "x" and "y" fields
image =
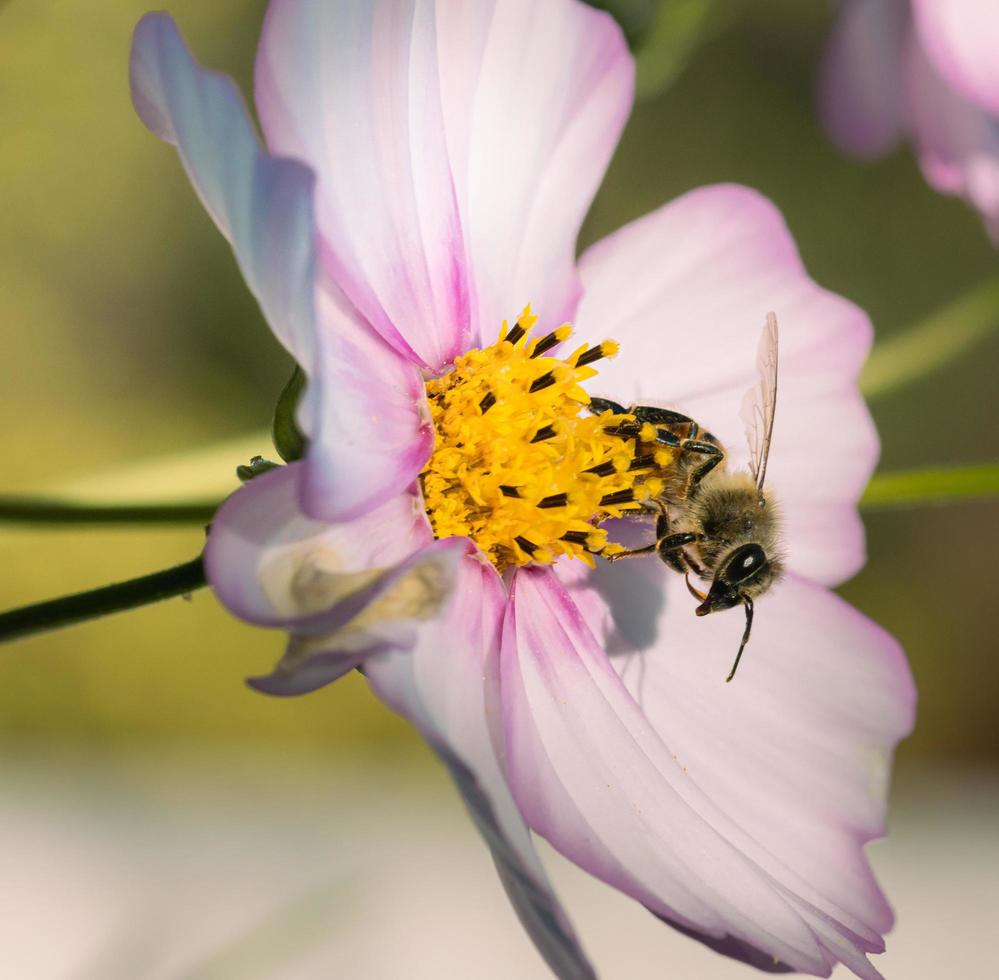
{"x": 746, "y": 562}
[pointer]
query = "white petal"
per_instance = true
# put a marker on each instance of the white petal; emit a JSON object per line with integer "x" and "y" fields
{"x": 458, "y": 147}
{"x": 686, "y": 290}
{"x": 366, "y": 416}
{"x": 262, "y": 204}
{"x": 956, "y": 140}
{"x": 962, "y": 39}
{"x": 615, "y": 793}
{"x": 271, "y": 564}
{"x": 448, "y": 686}
{"x": 801, "y": 750}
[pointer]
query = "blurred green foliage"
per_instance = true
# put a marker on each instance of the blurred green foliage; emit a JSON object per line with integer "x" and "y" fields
{"x": 128, "y": 334}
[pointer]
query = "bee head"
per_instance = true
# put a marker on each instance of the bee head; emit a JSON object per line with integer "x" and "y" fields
{"x": 745, "y": 571}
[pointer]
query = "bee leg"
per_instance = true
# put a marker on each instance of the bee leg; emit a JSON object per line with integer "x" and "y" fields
{"x": 662, "y": 530}
{"x": 748, "y": 603}
{"x": 701, "y": 448}
{"x": 704, "y": 469}
{"x": 628, "y": 429}
{"x": 670, "y": 549}
{"x": 713, "y": 452}
{"x": 631, "y": 553}
{"x": 695, "y": 568}
{"x": 675, "y": 561}
{"x": 666, "y": 438}
{"x": 660, "y": 416}
{"x": 600, "y": 405}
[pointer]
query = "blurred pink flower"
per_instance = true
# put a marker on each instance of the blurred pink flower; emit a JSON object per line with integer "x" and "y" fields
{"x": 426, "y": 170}
{"x": 927, "y": 69}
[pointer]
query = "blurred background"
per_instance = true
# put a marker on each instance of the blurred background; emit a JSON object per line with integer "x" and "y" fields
{"x": 157, "y": 818}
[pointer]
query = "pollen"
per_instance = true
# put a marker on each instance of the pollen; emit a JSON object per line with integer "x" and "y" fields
{"x": 520, "y": 465}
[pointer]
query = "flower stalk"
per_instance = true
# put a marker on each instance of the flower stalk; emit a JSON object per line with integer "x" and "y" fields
{"x": 933, "y": 343}
{"x": 44, "y": 511}
{"x": 942, "y": 485}
{"x": 119, "y": 597}
{"x": 908, "y": 488}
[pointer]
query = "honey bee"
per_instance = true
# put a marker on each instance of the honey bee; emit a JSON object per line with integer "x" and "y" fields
{"x": 720, "y": 525}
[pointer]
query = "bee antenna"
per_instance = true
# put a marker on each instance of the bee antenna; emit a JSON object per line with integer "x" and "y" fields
{"x": 748, "y": 603}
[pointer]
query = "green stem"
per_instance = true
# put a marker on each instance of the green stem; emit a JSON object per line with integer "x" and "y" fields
{"x": 906, "y": 488}
{"x": 28, "y": 510}
{"x": 678, "y": 27}
{"x": 911, "y": 488}
{"x": 939, "y": 339}
{"x": 84, "y": 606}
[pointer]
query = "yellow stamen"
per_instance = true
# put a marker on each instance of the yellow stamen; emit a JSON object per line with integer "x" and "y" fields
{"x": 518, "y": 465}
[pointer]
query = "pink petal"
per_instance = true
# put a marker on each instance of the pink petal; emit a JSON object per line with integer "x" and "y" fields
{"x": 957, "y": 141}
{"x": 962, "y": 39}
{"x": 685, "y": 290}
{"x": 366, "y": 415}
{"x": 860, "y": 84}
{"x": 262, "y": 204}
{"x": 272, "y": 565}
{"x": 683, "y": 807}
{"x": 457, "y": 146}
{"x": 448, "y": 686}
{"x": 812, "y": 726}
{"x": 535, "y": 97}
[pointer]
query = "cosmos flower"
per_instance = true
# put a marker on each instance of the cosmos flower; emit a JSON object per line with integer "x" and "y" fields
{"x": 926, "y": 69}
{"x": 425, "y": 171}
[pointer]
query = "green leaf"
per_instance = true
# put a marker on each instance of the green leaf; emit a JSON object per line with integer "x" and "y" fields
{"x": 288, "y": 438}
{"x": 933, "y": 343}
{"x": 912, "y": 488}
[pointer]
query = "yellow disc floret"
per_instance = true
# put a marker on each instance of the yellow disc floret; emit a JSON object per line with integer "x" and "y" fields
{"x": 519, "y": 465}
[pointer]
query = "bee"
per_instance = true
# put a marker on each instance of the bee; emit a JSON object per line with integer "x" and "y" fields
{"x": 723, "y": 526}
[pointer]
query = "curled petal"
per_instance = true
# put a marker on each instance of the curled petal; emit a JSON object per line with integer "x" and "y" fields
{"x": 962, "y": 38}
{"x": 860, "y": 85}
{"x": 458, "y": 147}
{"x": 685, "y": 290}
{"x": 610, "y": 786}
{"x": 262, "y": 204}
{"x": 312, "y": 662}
{"x": 383, "y": 613}
{"x": 957, "y": 141}
{"x": 272, "y": 565}
{"x": 366, "y": 416}
{"x": 448, "y": 686}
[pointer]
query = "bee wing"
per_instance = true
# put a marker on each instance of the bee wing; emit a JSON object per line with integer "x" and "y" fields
{"x": 760, "y": 402}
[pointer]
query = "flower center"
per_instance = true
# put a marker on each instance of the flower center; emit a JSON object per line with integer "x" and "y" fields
{"x": 519, "y": 466}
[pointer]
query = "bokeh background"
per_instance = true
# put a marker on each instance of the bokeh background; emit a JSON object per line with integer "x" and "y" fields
{"x": 161, "y": 820}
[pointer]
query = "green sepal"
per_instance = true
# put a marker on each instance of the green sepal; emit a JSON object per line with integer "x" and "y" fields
{"x": 256, "y": 466}
{"x": 288, "y": 438}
